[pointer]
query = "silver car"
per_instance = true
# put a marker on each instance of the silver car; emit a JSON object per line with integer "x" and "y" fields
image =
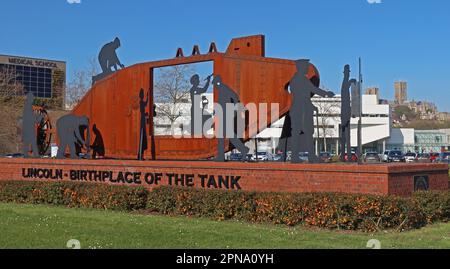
{"x": 385, "y": 156}
{"x": 411, "y": 157}
{"x": 262, "y": 157}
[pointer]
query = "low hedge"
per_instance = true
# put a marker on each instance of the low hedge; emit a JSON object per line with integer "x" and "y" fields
{"x": 79, "y": 195}
{"x": 325, "y": 210}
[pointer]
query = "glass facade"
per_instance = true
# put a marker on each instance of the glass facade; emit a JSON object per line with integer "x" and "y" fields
{"x": 34, "y": 79}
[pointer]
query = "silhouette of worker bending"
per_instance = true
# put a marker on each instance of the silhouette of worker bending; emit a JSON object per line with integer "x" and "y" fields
{"x": 346, "y": 115}
{"x": 197, "y": 101}
{"x": 302, "y": 113}
{"x": 108, "y": 60}
{"x": 29, "y": 121}
{"x": 68, "y": 128}
{"x": 226, "y": 97}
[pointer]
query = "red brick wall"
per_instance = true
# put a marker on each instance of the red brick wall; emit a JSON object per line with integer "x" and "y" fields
{"x": 392, "y": 179}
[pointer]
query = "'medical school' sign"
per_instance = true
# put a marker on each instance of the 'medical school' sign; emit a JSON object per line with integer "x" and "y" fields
{"x": 230, "y": 182}
{"x": 32, "y": 62}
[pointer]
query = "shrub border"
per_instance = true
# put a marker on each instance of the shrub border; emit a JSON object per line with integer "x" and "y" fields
{"x": 368, "y": 213}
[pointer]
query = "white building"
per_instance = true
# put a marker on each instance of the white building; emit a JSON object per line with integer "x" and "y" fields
{"x": 375, "y": 126}
{"x": 408, "y": 139}
{"x": 181, "y": 122}
{"x": 377, "y": 134}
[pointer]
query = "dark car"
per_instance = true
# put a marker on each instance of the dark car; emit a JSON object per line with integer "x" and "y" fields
{"x": 396, "y": 156}
{"x": 14, "y": 155}
{"x": 277, "y": 157}
{"x": 235, "y": 157}
{"x": 444, "y": 157}
{"x": 372, "y": 157}
{"x": 423, "y": 158}
{"x": 325, "y": 157}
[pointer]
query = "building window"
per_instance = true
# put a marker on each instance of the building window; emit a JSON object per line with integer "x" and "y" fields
{"x": 35, "y": 80}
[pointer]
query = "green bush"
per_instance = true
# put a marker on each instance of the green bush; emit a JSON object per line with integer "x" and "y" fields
{"x": 324, "y": 210}
{"x": 74, "y": 195}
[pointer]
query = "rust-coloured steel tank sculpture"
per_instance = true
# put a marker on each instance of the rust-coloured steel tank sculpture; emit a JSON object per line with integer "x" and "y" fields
{"x": 111, "y": 104}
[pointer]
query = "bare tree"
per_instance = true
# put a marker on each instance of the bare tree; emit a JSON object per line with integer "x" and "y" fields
{"x": 81, "y": 82}
{"x": 171, "y": 92}
{"x": 11, "y": 105}
{"x": 328, "y": 114}
{"x": 9, "y": 85}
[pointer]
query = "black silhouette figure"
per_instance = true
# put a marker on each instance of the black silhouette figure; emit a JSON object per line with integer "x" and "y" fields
{"x": 227, "y": 96}
{"x": 197, "y": 103}
{"x": 68, "y": 128}
{"x": 284, "y": 144}
{"x": 108, "y": 60}
{"x": 302, "y": 113}
{"x": 98, "y": 147}
{"x": 143, "y": 143}
{"x": 346, "y": 115}
{"x": 30, "y": 119}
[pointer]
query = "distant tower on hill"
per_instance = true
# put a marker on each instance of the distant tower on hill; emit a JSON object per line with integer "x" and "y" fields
{"x": 401, "y": 92}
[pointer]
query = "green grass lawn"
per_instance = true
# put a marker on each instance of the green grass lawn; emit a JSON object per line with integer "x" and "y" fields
{"x": 31, "y": 226}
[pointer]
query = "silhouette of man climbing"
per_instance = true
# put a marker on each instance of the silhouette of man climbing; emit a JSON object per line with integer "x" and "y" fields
{"x": 143, "y": 143}
{"x": 30, "y": 119}
{"x": 302, "y": 112}
{"x": 196, "y": 100}
{"x": 227, "y": 96}
{"x": 68, "y": 128}
{"x": 346, "y": 115}
{"x": 108, "y": 57}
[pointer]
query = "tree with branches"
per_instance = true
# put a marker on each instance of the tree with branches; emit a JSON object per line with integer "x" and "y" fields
{"x": 81, "y": 82}
{"x": 328, "y": 114}
{"x": 11, "y": 105}
{"x": 171, "y": 93}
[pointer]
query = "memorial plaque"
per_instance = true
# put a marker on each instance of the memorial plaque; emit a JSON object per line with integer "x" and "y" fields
{"x": 421, "y": 183}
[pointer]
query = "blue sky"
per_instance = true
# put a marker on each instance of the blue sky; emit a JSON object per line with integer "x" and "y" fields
{"x": 398, "y": 39}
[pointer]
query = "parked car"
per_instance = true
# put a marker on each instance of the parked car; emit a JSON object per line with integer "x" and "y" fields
{"x": 14, "y": 155}
{"x": 262, "y": 157}
{"x": 304, "y": 157}
{"x": 236, "y": 157}
{"x": 444, "y": 157}
{"x": 434, "y": 157}
{"x": 372, "y": 157}
{"x": 396, "y": 156}
{"x": 384, "y": 157}
{"x": 277, "y": 157}
{"x": 423, "y": 158}
{"x": 354, "y": 157}
{"x": 411, "y": 157}
{"x": 325, "y": 157}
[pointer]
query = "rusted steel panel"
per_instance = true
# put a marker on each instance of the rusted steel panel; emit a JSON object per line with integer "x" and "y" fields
{"x": 113, "y": 103}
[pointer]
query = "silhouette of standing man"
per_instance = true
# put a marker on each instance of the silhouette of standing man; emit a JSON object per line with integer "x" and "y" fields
{"x": 98, "y": 147}
{"x": 143, "y": 143}
{"x": 346, "y": 115}
{"x": 302, "y": 112}
{"x": 30, "y": 119}
{"x": 227, "y": 96}
{"x": 196, "y": 100}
